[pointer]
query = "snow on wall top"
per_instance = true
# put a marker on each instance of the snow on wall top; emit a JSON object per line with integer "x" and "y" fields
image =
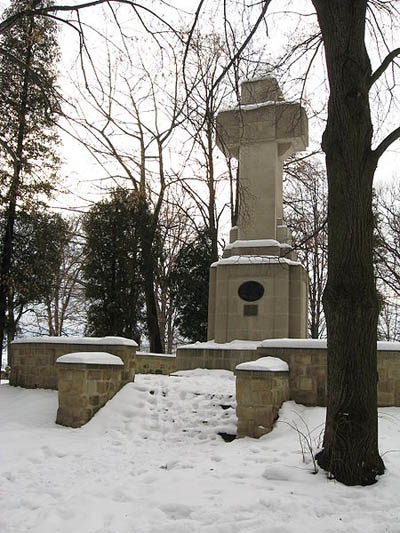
{"x": 319, "y": 344}
{"x": 254, "y": 259}
{"x": 270, "y": 364}
{"x": 90, "y": 358}
{"x": 110, "y": 341}
{"x": 293, "y": 343}
{"x": 389, "y": 346}
{"x": 150, "y": 354}
{"x": 232, "y": 345}
{"x": 252, "y": 243}
{"x": 260, "y": 77}
{"x": 249, "y": 107}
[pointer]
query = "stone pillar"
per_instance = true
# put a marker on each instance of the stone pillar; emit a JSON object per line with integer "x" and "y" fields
{"x": 261, "y": 388}
{"x": 86, "y": 381}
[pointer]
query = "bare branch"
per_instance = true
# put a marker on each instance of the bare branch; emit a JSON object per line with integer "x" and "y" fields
{"x": 384, "y": 65}
{"x": 45, "y": 11}
{"x": 245, "y": 43}
{"x": 384, "y": 145}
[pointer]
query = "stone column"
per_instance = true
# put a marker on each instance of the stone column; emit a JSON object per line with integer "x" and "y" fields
{"x": 261, "y": 133}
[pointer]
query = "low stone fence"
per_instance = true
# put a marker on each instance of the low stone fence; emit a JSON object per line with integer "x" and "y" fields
{"x": 86, "y": 381}
{"x": 261, "y": 388}
{"x": 33, "y": 359}
{"x": 307, "y": 360}
{"x": 214, "y": 355}
{"x": 155, "y": 363}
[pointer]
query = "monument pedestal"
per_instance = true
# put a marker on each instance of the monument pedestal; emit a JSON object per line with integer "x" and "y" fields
{"x": 256, "y": 298}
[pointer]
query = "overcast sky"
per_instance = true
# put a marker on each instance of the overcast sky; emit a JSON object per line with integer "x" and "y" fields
{"x": 80, "y": 169}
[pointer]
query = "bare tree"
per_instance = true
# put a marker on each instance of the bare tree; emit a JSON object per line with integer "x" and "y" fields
{"x": 305, "y": 206}
{"x": 207, "y": 55}
{"x": 387, "y": 250}
{"x": 175, "y": 229}
{"x": 129, "y": 126}
{"x": 65, "y": 308}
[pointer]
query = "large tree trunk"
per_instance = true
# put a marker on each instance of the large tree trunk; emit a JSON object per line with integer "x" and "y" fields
{"x": 350, "y": 452}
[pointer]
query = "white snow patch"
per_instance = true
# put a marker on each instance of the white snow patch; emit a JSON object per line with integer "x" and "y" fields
{"x": 250, "y": 107}
{"x": 151, "y": 354}
{"x": 90, "y": 358}
{"x": 254, "y": 259}
{"x": 254, "y": 243}
{"x": 319, "y": 344}
{"x": 151, "y": 461}
{"x": 294, "y": 343}
{"x": 232, "y": 345}
{"x": 386, "y": 346}
{"x": 110, "y": 341}
{"x": 270, "y": 364}
{"x": 261, "y": 77}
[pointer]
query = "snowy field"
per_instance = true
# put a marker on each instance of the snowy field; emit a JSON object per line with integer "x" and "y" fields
{"x": 152, "y": 461}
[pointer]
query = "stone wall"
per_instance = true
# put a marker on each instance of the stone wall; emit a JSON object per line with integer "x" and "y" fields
{"x": 33, "y": 360}
{"x": 209, "y": 355}
{"x": 259, "y": 395}
{"x": 84, "y": 388}
{"x": 153, "y": 363}
{"x": 308, "y": 370}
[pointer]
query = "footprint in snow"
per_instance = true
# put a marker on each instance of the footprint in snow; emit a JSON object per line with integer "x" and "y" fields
{"x": 30, "y": 504}
{"x": 275, "y": 473}
{"x": 120, "y": 496}
{"x": 176, "y": 511}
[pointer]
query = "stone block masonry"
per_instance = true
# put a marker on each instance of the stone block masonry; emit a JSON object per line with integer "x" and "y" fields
{"x": 261, "y": 388}
{"x": 155, "y": 363}
{"x": 33, "y": 359}
{"x": 214, "y": 355}
{"x": 307, "y": 360}
{"x": 86, "y": 381}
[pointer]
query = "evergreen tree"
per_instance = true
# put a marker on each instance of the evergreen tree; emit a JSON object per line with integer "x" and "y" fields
{"x": 112, "y": 268}
{"x": 39, "y": 240}
{"x": 189, "y": 285}
{"x": 28, "y": 107}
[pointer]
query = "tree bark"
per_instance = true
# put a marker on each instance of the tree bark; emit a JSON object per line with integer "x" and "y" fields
{"x": 350, "y": 450}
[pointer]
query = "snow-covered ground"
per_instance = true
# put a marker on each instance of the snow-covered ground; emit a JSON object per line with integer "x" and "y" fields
{"x": 152, "y": 461}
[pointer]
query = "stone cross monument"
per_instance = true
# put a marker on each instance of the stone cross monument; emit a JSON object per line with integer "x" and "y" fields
{"x": 259, "y": 290}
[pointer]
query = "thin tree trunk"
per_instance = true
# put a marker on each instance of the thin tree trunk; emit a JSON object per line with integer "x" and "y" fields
{"x": 151, "y": 306}
{"x": 213, "y": 230}
{"x": 147, "y": 233}
{"x": 350, "y": 453}
{"x": 8, "y": 237}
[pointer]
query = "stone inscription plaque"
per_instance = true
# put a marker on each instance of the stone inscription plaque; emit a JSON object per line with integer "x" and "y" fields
{"x": 250, "y": 310}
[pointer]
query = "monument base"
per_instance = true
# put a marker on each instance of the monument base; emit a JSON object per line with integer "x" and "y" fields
{"x": 256, "y": 297}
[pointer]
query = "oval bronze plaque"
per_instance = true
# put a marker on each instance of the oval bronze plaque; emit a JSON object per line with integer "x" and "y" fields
{"x": 250, "y": 291}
